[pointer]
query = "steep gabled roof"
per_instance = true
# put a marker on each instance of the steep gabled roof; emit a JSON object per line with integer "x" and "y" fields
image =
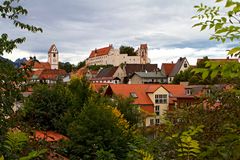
{"x": 177, "y": 66}
{"x": 132, "y": 68}
{"x": 100, "y": 51}
{"x": 167, "y": 68}
{"x": 107, "y": 72}
{"x": 53, "y": 49}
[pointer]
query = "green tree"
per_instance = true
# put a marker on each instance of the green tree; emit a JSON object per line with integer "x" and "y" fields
{"x": 68, "y": 67}
{"x": 127, "y": 50}
{"x": 45, "y": 107}
{"x": 224, "y": 20}
{"x": 99, "y": 127}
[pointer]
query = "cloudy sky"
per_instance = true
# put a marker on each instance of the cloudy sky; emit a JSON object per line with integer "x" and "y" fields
{"x": 79, "y": 26}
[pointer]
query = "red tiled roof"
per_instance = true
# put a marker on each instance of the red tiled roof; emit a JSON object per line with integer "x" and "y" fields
{"x": 167, "y": 68}
{"x": 149, "y": 108}
{"x": 100, "y": 52}
{"x": 49, "y": 136}
{"x": 97, "y": 86}
{"x": 52, "y": 74}
{"x": 39, "y": 65}
{"x": 175, "y": 89}
{"x": 139, "y": 89}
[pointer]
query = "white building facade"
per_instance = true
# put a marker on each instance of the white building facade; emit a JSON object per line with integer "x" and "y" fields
{"x": 112, "y": 56}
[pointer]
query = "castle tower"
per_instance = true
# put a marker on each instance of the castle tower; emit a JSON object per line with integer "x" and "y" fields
{"x": 53, "y": 57}
{"x": 143, "y": 53}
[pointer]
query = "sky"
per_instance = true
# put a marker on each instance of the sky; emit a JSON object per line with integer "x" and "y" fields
{"x": 79, "y": 26}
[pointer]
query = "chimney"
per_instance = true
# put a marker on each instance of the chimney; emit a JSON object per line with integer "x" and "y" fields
{"x": 172, "y": 62}
{"x": 110, "y": 45}
{"x": 227, "y": 57}
{"x": 95, "y": 50}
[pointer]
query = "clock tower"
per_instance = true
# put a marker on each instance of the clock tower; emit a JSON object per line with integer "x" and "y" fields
{"x": 53, "y": 57}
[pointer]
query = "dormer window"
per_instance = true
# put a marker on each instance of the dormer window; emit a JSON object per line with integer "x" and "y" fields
{"x": 133, "y": 94}
{"x": 188, "y": 91}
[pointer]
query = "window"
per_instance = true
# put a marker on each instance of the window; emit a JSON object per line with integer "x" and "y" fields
{"x": 157, "y": 110}
{"x": 151, "y": 121}
{"x": 188, "y": 91}
{"x": 133, "y": 94}
{"x": 161, "y": 98}
{"x": 157, "y": 121}
{"x": 185, "y": 65}
{"x": 54, "y": 55}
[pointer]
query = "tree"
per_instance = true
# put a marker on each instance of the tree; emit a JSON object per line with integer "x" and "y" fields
{"x": 127, "y": 50}
{"x": 99, "y": 128}
{"x": 10, "y": 77}
{"x": 68, "y": 67}
{"x": 224, "y": 21}
{"x": 45, "y": 107}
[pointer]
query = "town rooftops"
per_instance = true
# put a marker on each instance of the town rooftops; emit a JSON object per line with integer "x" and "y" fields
{"x": 167, "y": 68}
{"x": 50, "y": 74}
{"x": 177, "y": 66}
{"x": 141, "y": 91}
{"x": 156, "y": 74}
{"x": 107, "y": 72}
{"x": 100, "y": 51}
{"x": 132, "y": 68}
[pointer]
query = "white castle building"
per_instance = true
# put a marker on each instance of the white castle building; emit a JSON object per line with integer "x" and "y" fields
{"x": 110, "y": 55}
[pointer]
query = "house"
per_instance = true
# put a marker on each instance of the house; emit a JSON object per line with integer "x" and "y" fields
{"x": 109, "y": 75}
{"x": 170, "y": 70}
{"x": 130, "y": 69}
{"x": 47, "y": 72}
{"x": 147, "y": 77}
{"x": 154, "y": 99}
{"x": 111, "y": 56}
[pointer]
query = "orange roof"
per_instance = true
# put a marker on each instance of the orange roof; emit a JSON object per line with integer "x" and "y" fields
{"x": 97, "y": 86}
{"x": 100, "y": 52}
{"x": 39, "y": 65}
{"x": 175, "y": 90}
{"x": 52, "y": 74}
{"x": 149, "y": 109}
{"x": 167, "y": 68}
{"x": 125, "y": 90}
{"x": 49, "y": 136}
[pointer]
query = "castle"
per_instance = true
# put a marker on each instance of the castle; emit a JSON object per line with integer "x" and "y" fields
{"x": 109, "y": 55}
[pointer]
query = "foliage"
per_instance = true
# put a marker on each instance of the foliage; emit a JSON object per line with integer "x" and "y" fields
{"x": 220, "y": 133}
{"x": 44, "y": 108}
{"x": 189, "y": 147}
{"x": 11, "y": 11}
{"x": 68, "y": 67}
{"x": 130, "y": 111}
{"x": 99, "y": 127}
{"x": 224, "y": 20}
{"x": 127, "y": 50}
{"x": 80, "y": 65}
{"x": 16, "y": 146}
{"x": 105, "y": 155}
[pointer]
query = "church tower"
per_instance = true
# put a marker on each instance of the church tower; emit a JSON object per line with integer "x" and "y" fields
{"x": 53, "y": 57}
{"x": 143, "y": 53}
